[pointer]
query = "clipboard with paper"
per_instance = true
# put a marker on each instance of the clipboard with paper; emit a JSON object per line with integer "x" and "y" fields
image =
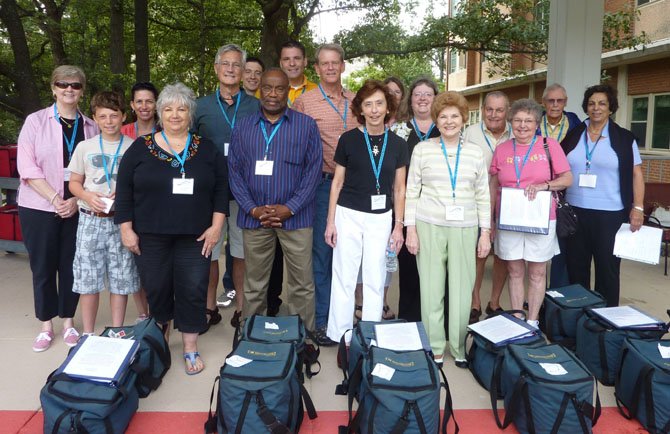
{"x": 518, "y": 214}
{"x": 629, "y": 317}
{"x": 503, "y": 329}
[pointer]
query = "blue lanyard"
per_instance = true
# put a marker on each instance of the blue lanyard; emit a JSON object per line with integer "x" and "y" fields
{"x": 376, "y": 169}
{"x": 518, "y": 169}
{"x": 346, "y": 107}
{"x": 181, "y": 158}
{"x": 589, "y": 152}
{"x": 560, "y": 132}
{"x": 303, "y": 91}
{"x": 69, "y": 142}
{"x": 109, "y": 173}
{"x": 272, "y": 135}
{"x": 418, "y": 133}
{"x": 452, "y": 175}
{"x": 481, "y": 125}
{"x": 225, "y": 115}
{"x": 137, "y": 131}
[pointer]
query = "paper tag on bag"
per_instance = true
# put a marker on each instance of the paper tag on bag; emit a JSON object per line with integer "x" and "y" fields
{"x": 271, "y": 326}
{"x": 554, "y": 294}
{"x": 665, "y": 351}
{"x": 383, "y": 371}
{"x": 553, "y": 368}
{"x": 237, "y": 361}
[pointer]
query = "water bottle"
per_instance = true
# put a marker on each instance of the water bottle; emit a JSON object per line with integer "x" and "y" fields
{"x": 391, "y": 259}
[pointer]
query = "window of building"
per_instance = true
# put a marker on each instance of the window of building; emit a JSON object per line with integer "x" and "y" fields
{"x": 457, "y": 60}
{"x": 455, "y": 4}
{"x": 473, "y": 117}
{"x": 650, "y": 121}
{"x": 642, "y": 2}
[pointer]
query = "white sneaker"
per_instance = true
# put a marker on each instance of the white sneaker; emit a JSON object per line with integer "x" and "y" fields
{"x": 226, "y": 299}
{"x": 533, "y": 323}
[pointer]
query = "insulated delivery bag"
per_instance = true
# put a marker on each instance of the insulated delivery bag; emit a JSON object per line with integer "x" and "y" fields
{"x": 259, "y": 391}
{"x": 290, "y": 328}
{"x": 599, "y": 341}
{"x": 485, "y": 357}
{"x": 642, "y": 388}
{"x": 562, "y": 309}
{"x": 399, "y": 392}
{"x": 88, "y": 404}
{"x": 153, "y": 358}
{"x": 548, "y": 390}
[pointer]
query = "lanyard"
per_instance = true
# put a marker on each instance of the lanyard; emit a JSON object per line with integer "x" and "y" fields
{"x": 376, "y": 169}
{"x": 137, "y": 131}
{"x": 289, "y": 100}
{"x": 223, "y": 111}
{"x": 69, "y": 142}
{"x": 560, "y": 132}
{"x": 589, "y": 152}
{"x": 418, "y": 133}
{"x": 181, "y": 158}
{"x": 346, "y": 107}
{"x": 481, "y": 125}
{"x": 452, "y": 175}
{"x": 272, "y": 135}
{"x": 110, "y": 172}
{"x": 518, "y": 169}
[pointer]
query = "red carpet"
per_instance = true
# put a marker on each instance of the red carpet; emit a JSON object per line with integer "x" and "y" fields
{"x": 470, "y": 421}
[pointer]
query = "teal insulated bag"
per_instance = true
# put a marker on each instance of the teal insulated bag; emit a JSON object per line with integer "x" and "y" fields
{"x": 562, "y": 309}
{"x": 642, "y": 388}
{"x": 259, "y": 391}
{"x": 291, "y": 329}
{"x": 399, "y": 392}
{"x": 152, "y": 360}
{"x": 548, "y": 390}
{"x": 88, "y": 407}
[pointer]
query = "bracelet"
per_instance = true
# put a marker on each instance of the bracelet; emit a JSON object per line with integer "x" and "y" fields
{"x": 400, "y": 221}
{"x": 51, "y": 202}
{"x": 548, "y": 186}
{"x": 639, "y": 208}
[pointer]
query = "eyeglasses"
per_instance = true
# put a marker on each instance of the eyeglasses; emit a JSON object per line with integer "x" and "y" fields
{"x": 556, "y": 101}
{"x": 528, "y": 121}
{"x": 65, "y": 84}
{"x": 423, "y": 94}
{"x": 227, "y": 64}
{"x": 279, "y": 90}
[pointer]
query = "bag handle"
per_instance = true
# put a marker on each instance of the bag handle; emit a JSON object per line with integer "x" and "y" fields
{"x": 354, "y": 384}
{"x": 270, "y": 420}
{"x": 210, "y": 424}
{"x": 448, "y": 405}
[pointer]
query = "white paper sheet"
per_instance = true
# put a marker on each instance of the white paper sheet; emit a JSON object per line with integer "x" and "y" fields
{"x": 398, "y": 336}
{"x": 625, "y": 316}
{"x": 517, "y": 211}
{"x": 642, "y": 246}
{"x": 383, "y": 371}
{"x": 553, "y": 368}
{"x": 665, "y": 351}
{"x": 499, "y": 329}
{"x": 99, "y": 358}
{"x": 236, "y": 361}
{"x": 554, "y": 294}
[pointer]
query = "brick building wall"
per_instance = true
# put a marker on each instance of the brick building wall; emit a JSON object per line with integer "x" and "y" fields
{"x": 649, "y": 77}
{"x": 656, "y": 170}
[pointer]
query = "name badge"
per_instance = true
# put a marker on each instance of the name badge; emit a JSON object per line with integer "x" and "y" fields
{"x": 264, "y": 167}
{"x": 455, "y": 213}
{"x": 225, "y": 149}
{"x": 587, "y": 180}
{"x": 182, "y": 186}
{"x": 377, "y": 201}
{"x": 66, "y": 174}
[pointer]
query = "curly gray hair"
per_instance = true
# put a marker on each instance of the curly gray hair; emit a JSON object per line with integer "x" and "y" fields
{"x": 525, "y": 105}
{"x": 177, "y": 93}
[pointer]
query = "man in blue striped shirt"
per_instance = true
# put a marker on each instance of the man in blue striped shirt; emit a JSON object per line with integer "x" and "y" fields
{"x": 275, "y": 161}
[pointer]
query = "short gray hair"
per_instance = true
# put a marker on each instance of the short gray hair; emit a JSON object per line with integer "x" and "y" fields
{"x": 331, "y": 47}
{"x": 231, "y": 47}
{"x": 496, "y": 94}
{"x": 68, "y": 71}
{"x": 554, "y": 86}
{"x": 526, "y": 105}
{"x": 176, "y": 93}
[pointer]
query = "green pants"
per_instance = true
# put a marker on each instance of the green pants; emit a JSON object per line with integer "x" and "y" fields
{"x": 443, "y": 248}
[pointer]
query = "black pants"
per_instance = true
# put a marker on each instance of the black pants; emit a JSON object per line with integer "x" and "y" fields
{"x": 595, "y": 240}
{"x": 409, "y": 302}
{"x": 175, "y": 275}
{"x": 51, "y": 243}
{"x": 276, "y": 280}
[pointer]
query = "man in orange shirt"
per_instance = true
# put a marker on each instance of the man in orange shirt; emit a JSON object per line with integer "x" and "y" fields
{"x": 292, "y": 61}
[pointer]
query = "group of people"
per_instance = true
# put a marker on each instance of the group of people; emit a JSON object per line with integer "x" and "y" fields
{"x": 317, "y": 180}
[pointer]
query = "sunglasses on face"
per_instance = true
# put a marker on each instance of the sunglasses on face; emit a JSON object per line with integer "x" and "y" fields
{"x": 65, "y": 84}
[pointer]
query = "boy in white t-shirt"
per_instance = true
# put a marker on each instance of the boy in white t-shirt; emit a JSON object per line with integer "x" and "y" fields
{"x": 101, "y": 260}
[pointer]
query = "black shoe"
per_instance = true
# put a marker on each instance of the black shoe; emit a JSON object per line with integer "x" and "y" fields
{"x": 214, "y": 319}
{"x": 463, "y": 364}
{"x": 235, "y": 320}
{"x": 474, "y": 316}
{"x": 322, "y": 339}
{"x": 490, "y": 311}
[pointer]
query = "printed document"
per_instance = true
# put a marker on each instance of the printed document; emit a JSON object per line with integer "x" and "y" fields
{"x": 626, "y": 316}
{"x": 499, "y": 329}
{"x": 519, "y": 214}
{"x": 398, "y": 336}
{"x": 101, "y": 359}
{"x": 642, "y": 246}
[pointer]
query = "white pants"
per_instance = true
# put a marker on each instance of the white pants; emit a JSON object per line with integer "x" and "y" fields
{"x": 361, "y": 243}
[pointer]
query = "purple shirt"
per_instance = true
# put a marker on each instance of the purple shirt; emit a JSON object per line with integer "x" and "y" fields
{"x": 296, "y": 153}
{"x": 40, "y": 155}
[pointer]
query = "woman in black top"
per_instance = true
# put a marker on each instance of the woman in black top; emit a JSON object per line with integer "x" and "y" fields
{"x": 369, "y": 179}
{"x": 171, "y": 202}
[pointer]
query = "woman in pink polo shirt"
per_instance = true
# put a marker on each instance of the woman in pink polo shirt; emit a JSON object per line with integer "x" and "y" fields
{"x": 47, "y": 210}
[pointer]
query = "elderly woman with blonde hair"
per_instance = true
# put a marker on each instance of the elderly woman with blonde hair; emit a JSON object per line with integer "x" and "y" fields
{"x": 447, "y": 201}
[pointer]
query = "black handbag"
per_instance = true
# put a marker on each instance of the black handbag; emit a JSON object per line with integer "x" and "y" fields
{"x": 566, "y": 219}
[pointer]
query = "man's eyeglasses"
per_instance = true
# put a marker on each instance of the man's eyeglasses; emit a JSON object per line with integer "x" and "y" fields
{"x": 556, "y": 101}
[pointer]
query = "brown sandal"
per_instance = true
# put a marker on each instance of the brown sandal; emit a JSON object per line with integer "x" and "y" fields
{"x": 388, "y": 313}
{"x": 358, "y": 312}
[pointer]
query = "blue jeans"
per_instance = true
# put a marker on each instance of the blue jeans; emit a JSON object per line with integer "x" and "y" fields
{"x": 322, "y": 255}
